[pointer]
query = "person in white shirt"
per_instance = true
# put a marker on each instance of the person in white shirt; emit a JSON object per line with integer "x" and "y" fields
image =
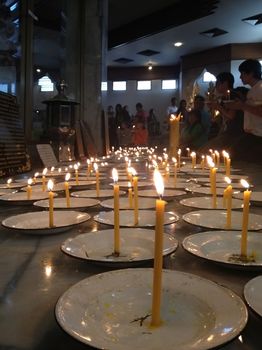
{"x": 172, "y": 109}
{"x": 250, "y": 74}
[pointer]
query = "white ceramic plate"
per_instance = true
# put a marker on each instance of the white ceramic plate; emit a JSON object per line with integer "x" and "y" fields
{"x": 112, "y": 311}
{"x": 136, "y": 246}
{"x": 207, "y": 203}
{"x": 125, "y": 184}
{"x": 92, "y": 193}
{"x": 255, "y": 198}
{"x": 167, "y": 193}
{"x": 143, "y": 203}
{"x": 206, "y": 190}
{"x": 21, "y": 197}
{"x": 38, "y": 222}
{"x": 59, "y": 186}
{"x": 75, "y": 203}
{"x": 146, "y": 218}
{"x": 7, "y": 191}
{"x": 223, "y": 246}
{"x": 253, "y": 294}
{"x": 216, "y": 219}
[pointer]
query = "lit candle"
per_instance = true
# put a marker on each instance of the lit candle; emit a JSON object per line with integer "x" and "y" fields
{"x": 175, "y": 170}
{"x": 193, "y": 156}
{"x": 212, "y": 175}
{"x": 228, "y": 194}
{"x": 167, "y": 172}
{"x": 44, "y": 179}
{"x": 88, "y": 167}
{"x": 29, "y": 189}
{"x": 246, "y": 199}
{"x": 97, "y": 179}
{"x": 116, "y": 213}
{"x": 217, "y": 155}
{"x": 130, "y": 195}
{"x": 188, "y": 151}
{"x": 67, "y": 177}
{"x": 76, "y": 173}
{"x": 228, "y": 94}
{"x": 8, "y": 182}
{"x": 51, "y": 203}
{"x": 135, "y": 186}
{"x": 179, "y": 159}
{"x": 35, "y": 176}
{"x": 203, "y": 162}
{"x": 174, "y": 134}
{"x": 158, "y": 255}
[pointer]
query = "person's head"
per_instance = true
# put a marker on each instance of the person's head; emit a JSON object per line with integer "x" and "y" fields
{"x": 182, "y": 104}
{"x": 110, "y": 109}
{"x": 139, "y": 106}
{"x": 173, "y": 101}
{"x": 225, "y": 81}
{"x": 249, "y": 70}
{"x": 118, "y": 107}
{"x": 194, "y": 116}
{"x": 199, "y": 102}
{"x": 125, "y": 108}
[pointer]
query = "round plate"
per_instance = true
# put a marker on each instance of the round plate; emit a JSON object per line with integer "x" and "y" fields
{"x": 224, "y": 247}
{"x": 146, "y": 218}
{"x": 253, "y": 294}
{"x": 256, "y": 197}
{"x": 179, "y": 184}
{"x": 143, "y": 203}
{"x": 125, "y": 184}
{"x": 92, "y": 193}
{"x": 235, "y": 185}
{"x": 7, "y": 191}
{"x": 112, "y": 311}
{"x": 153, "y": 193}
{"x": 207, "y": 203}
{"x": 206, "y": 190}
{"x": 136, "y": 246}
{"x": 81, "y": 184}
{"x": 216, "y": 219}
{"x": 11, "y": 185}
{"x": 60, "y": 186}
{"x": 75, "y": 203}
{"x": 21, "y": 197}
{"x": 38, "y": 222}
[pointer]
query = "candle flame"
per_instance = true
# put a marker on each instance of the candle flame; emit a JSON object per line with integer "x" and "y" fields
{"x": 52, "y": 168}
{"x": 95, "y": 167}
{"x": 133, "y": 171}
{"x": 174, "y": 160}
{"x": 9, "y": 181}
{"x": 193, "y": 154}
{"x": 44, "y": 172}
{"x": 36, "y": 174}
{"x": 67, "y": 177}
{"x": 29, "y": 181}
{"x": 129, "y": 184}
{"x": 115, "y": 175}
{"x": 228, "y": 180}
{"x": 179, "y": 151}
{"x": 210, "y": 162}
{"x": 244, "y": 183}
{"x": 159, "y": 183}
{"x": 75, "y": 166}
{"x": 50, "y": 185}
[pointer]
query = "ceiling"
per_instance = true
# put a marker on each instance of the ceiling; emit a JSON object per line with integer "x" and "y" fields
{"x": 153, "y": 25}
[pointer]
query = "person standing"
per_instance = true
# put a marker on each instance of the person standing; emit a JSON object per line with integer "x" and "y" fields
{"x": 250, "y": 146}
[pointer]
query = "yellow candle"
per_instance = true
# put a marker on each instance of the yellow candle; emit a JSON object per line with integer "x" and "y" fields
{"x": 203, "y": 162}
{"x": 229, "y": 206}
{"x": 116, "y": 213}
{"x": 130, "y": 195}
{"x": 217, "y": 159}
{"x": 51, "y": 203}
{"x": 135, "y": 181}
{"x": 225, "y": 198}
{"x": 193, "y": 156}
{"x": 158, "y": 255}
{"x": 9, "y": 183}
{"x": 44, "y": 180}
{"x": 97, "y": 180}
{"x": 35, "y": 176}
{"x": 67, "y": 190}
{"x": 246, "y": 199}
{"x": 179, "y": 158}
{"x": 188, "y": 151}
{"x": 76, "y": 173}
{"x": 175, "y": 171}
{"x": 29, "y": 189}
{"x": 214, "y": 187}
{"x": 88, "y": 167}
{"x": 228, "y": 164}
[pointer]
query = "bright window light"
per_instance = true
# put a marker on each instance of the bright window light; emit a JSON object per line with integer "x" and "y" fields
{"x": 4, "y": 87}
{"x": 169, "y": 84}
{"x": 104, "y": 86}
{"x": 208, "y": 77}
{"x": 119, "y": 85}
{"x": 46, "y": 84}
{"x": 144, "y": 85}
{"x": 13, "y": 7}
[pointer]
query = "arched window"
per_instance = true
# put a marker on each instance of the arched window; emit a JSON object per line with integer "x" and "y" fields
{"x": 208, "y": 77}
{"x": 46, "y": 83}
